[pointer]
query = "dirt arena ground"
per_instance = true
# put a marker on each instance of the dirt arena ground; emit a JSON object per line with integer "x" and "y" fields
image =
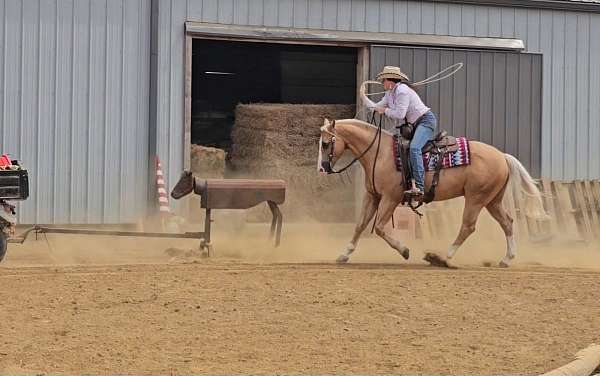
{"x": 73, "y": 305}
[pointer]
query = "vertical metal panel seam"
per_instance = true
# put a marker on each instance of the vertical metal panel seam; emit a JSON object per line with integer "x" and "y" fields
{"x": 519, "y": 104}
{"x": 122, "y": 127}
{"x": 479, "y": 96}
{"x": 20, "y": 95}
{"x": 551, "y": 125}
{"x": 138, "y": 39}
{"x": 576, "y": 128}
{"x": 434, "y": 16}
{"x": 461, "y": 24}
{"x": 167, "y": 154}
{"x": 531, "y": 135}
{"x": 142, "y": 203}
{"x": 350, "y": 23}
{"x": 493, "y": 96}
{"x": 201, "y": 11}
{"x": 420, "y": 19}
{"x": 72, "y": 99}
{"x": 488, "y": 22}
{"x": 505, "y": 101}
{"x": 453, "y": 89}
{"x": 55, "y": 130}
{"x": 38, "y": 187}
{"x": 105, "y": 126}
{"x": 247, "y": 13}
{"x": 394, "y": 18}
{"x": 69, "y": 210}
{"x": 439, "y": 97}
{"x": 3, "y": 78}
{"x": 466, "y": 88}
{"x": 539, "y": 42}
{"x": 589, "y": 74}
{"x": 406, "y": 17}
{"x": 233, "y": 14}
{"x": 337, "y": 14}
{"x": 89, "y": 107}
{"x": 564, "y": 85}
{"x": 365, "y": 15}
{"x": 138, "y": 43}
{"x": 322, "y": 14}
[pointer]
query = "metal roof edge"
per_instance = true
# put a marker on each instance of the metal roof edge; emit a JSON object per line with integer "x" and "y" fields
{"x": 319, "y": 36}
{"x": 567, "y": 5}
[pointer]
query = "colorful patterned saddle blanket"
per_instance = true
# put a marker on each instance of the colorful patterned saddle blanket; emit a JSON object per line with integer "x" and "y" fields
{"x": 457, "y": 153}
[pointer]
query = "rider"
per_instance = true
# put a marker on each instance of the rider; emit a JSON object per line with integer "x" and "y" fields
{"x": 401, "y": 102}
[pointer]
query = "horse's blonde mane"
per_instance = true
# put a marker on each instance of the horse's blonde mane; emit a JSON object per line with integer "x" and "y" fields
{"x": 362, "y": 124}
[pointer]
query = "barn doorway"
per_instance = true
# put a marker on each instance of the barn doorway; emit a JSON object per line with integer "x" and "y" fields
{"x": 225, "y": 73}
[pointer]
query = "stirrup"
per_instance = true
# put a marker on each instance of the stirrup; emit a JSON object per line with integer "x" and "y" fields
{"x": 415, "y": 193}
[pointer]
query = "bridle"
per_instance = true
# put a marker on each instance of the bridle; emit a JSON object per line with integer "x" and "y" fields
{"x": 329, "y": 148}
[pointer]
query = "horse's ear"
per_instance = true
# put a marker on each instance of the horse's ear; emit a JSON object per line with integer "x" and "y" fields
{"x": 333, "y": 124}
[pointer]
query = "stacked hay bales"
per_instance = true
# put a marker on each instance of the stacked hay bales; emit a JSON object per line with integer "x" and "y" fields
{"x": 280, "y": 141}
{"x": 207, "y": 162}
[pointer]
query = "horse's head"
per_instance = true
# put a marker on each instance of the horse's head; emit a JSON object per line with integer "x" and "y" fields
{"x": 184, "y": 186}
{"x": 331, "y": 147}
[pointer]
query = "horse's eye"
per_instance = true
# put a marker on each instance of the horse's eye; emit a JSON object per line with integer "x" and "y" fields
{"x": 324, "y": 144}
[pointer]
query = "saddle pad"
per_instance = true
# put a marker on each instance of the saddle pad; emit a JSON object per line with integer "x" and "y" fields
{"x": 460, "y": 157}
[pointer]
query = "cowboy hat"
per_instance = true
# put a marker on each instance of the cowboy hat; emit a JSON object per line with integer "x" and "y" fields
{"x": 392, "y": 72}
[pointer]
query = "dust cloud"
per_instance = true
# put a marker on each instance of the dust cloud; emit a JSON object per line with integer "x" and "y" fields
{"x": 239, "y": 237}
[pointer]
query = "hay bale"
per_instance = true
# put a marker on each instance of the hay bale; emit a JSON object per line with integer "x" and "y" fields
{"x": 279, "y": 141}
{"x": 207, "y": 162}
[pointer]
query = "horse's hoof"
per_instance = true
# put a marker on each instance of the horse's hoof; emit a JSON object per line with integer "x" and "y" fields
{"x": 436, "y": 260}
{"x": 503, "y": 264}
{"x": 342, "y": 259}
{"x": 405, "y": 252}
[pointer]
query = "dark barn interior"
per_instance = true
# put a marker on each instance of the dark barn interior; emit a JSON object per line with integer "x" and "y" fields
{"x": 227, "y": 73}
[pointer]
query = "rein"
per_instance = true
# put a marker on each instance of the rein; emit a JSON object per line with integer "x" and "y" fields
{"x": 356, "y": 159}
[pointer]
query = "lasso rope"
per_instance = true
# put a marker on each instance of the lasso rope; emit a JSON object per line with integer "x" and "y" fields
{"x": 441, "y": 75}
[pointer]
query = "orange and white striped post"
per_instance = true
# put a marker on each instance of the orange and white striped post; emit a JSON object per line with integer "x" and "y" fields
{"x": 163, "y": 197}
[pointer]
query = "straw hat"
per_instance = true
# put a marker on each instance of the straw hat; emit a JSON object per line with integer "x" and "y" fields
{"x": 391, "y": 72}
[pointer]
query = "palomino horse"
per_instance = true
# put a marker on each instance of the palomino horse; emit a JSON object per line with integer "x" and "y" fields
{"x": 483, "y": 184}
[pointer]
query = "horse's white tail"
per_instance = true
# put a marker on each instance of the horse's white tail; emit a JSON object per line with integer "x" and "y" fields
{"x": 520, "y": 181}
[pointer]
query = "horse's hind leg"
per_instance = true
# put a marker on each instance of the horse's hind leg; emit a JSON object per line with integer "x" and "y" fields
{"x": 470, "y": 215}
{"x": 499, "y": 213}
{"x": 386, "y": 209}
{"x": 368, "y": 211}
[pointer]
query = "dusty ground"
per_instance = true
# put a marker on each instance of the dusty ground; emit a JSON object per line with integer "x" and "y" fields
{"x": 107, "y": 306}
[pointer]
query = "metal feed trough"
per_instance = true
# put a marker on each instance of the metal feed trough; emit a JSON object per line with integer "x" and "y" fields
{"x": 215, "y": 194}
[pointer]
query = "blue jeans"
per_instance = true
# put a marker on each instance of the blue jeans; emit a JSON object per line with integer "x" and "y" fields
{"x": 423, "y": 133}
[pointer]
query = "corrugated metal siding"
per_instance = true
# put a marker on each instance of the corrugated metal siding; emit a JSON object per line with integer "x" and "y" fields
{"x": 571, "y": 96}
{"x": 74, "y": 106}
{"x": 495, "y": 98}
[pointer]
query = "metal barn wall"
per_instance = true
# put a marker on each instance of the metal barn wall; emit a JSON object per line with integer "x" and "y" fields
{"x": 74, "y": 78}
{"x": 567, "y": 40}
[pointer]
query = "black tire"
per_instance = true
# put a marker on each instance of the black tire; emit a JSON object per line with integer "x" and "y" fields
{"x": 3, "y": 244}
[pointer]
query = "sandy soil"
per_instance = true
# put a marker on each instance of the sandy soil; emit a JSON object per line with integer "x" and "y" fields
{"x": 107, "y": 306}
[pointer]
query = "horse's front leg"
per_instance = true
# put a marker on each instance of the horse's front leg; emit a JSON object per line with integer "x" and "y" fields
{"x": 369, "y": 208}
{"x": 386, "y": 209}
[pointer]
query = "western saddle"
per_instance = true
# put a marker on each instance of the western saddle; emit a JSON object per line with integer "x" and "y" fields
{"x": 439, "y": 146}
